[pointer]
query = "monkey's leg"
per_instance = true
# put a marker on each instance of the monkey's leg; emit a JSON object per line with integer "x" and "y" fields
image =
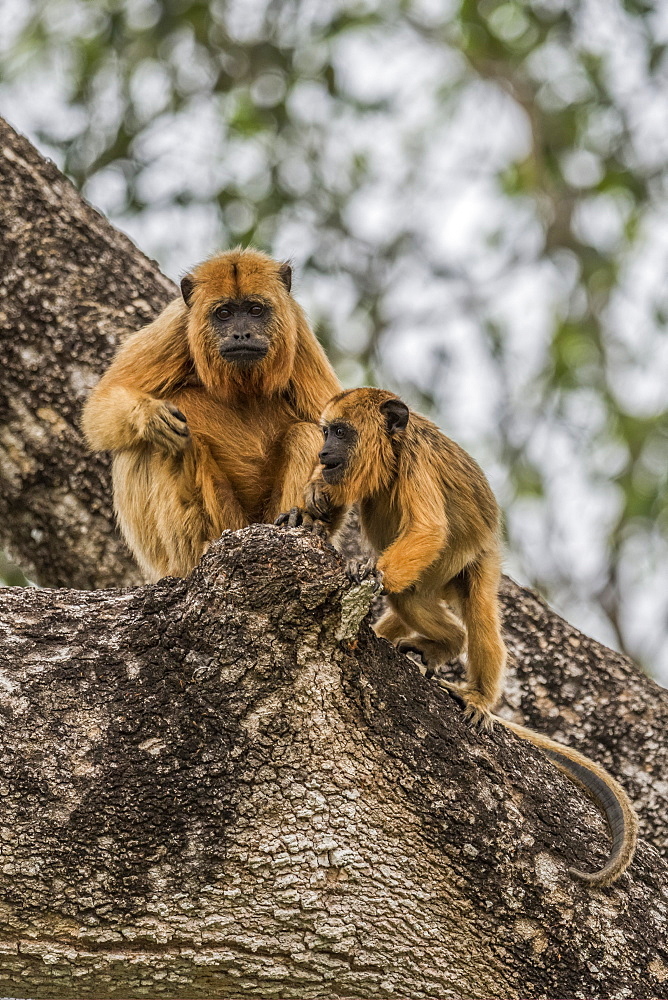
{"x": 299, "y": 456}
{"x": 486, "y": 656}
{"x": 391, "y": 627}
{"x": 440, "y": 635}
{"x": 171, "y": 508}
{"x": 221, "y": 506}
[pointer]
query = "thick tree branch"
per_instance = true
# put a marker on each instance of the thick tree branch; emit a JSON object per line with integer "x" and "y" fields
{"x": 216, "y": 787}
{"x": 70, "y": 285}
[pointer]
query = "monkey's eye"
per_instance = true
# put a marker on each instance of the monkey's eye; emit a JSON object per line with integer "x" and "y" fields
{"x": 222, "y": 312}
{"x": 256, "y": 310}
{"x": 340, "y": 432}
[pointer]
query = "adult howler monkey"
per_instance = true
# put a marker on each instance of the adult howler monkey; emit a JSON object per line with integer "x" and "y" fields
{"x": 210, "y": 411}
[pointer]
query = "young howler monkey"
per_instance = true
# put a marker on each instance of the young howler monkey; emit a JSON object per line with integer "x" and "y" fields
{"x": 431, "y": 518}
{"x": 210, "y": 411}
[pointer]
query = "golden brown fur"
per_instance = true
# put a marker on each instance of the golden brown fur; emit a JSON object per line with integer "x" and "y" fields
{"x": 251, "y": 440}
{"x": 431, "y": 517}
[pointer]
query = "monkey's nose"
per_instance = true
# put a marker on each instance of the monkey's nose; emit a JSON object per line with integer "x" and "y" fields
{"x": 242, "y": 336}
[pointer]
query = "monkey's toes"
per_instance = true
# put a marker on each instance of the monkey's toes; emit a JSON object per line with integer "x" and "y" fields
{"x": 476, "y": 710}
{"x": 358, "y": 570}
{"x": 406, "y": 646}
{"x": 480, "y": 719}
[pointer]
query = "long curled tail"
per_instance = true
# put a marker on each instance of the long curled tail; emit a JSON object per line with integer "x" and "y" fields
{"x": 607, "y": 793}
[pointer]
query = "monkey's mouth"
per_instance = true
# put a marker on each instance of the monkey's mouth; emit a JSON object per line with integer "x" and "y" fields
{"x": 332, "y": 471}
{"x": 244, "y": 356}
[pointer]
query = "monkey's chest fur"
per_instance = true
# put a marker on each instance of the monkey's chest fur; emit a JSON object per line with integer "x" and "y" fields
{"x": 170, "y": 506}
{"x": 244, "y": 442}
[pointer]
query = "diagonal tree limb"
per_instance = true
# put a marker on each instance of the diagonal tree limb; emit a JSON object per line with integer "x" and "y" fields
{"x": 70, "y": 285}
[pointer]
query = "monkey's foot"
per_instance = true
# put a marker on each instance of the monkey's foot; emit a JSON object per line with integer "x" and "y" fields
{"x": 407, "y": 646}
{"x": 433, "y": 655}
{"x": 297, "y": 517}
{"x": 477, "y": 711}
{"x": 358, "y": 570}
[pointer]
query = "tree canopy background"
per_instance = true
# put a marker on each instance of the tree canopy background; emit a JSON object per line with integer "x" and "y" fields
{"x": 474, "y": 196}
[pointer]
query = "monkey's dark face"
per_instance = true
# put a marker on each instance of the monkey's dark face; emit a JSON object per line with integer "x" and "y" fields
{"x": 242, "y": 326}
{"x": 340, "y": 440}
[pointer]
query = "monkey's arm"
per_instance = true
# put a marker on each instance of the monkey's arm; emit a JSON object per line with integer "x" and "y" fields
{"x": 319, "y": 504}
{"x": 128, "y": 405}
{"x": 299, "y": 456}
{"x": 423, "y": 532}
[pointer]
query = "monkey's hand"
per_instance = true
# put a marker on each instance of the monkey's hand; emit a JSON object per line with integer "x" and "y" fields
{"x": 395, "y": 578}
{"x": 318, "y": 501}
{"x": 162, "y": 424}
{"x": 477, "y": 710}
{"x": 358, "y": 570}
{"x": 297, "y": 517}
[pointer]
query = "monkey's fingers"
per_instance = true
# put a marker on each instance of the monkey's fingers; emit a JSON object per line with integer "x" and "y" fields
{"x": 180, "y": 429}
{"x": 297, "y": 517}
{"x": 168, "y": 433}
{"x": 169, "y": 428}
{"x": 174, "y": 410}
{"x": 290, "y": 518}
{"x": 314, "y": 525}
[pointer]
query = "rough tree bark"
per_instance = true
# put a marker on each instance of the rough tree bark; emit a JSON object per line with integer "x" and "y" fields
{"x": 221, "y": 786}
{"x": 70, "y": 286}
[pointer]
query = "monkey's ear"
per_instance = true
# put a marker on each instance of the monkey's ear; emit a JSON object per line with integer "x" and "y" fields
{"x": 396, "y": 415}
{"x": 187, "y": 288}
{"x": 285, "y": 274}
